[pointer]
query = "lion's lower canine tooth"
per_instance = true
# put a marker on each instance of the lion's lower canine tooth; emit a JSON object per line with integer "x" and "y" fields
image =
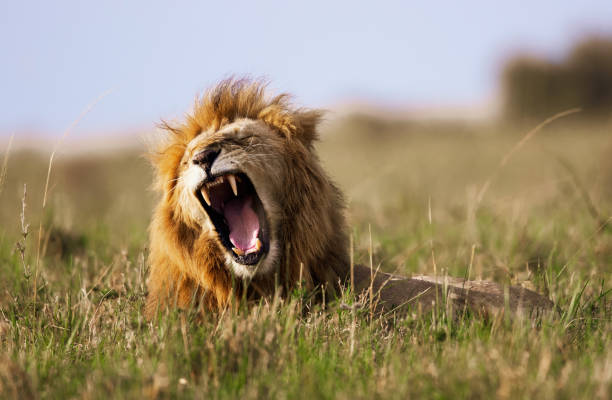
{"x": 205, "y": 196}
{"x": 232, "y": 180}
{"x": 255, "y": 248}
{"x": 237, "y": 251}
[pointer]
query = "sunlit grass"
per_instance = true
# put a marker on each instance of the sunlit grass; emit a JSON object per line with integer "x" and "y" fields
{"x": 82, "y": 333}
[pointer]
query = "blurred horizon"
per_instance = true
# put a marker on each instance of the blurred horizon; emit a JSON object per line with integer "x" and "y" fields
{"x": 432, "y": 58}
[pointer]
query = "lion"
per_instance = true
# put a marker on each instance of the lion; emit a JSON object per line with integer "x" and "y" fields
{"x": 246, "y": 211}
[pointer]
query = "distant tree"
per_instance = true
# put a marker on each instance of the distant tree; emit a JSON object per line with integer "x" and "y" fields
{"x": 590, "y": 63}
{"x": 534, "y": 88}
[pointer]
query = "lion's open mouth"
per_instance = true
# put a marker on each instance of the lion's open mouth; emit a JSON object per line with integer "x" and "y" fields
{"x": 237, "y": 214}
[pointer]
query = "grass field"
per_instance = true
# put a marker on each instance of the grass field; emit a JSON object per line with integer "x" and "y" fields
{"x": 73, "y": 275}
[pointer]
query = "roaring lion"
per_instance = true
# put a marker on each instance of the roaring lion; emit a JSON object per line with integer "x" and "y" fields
{"x": 246, "y": 209}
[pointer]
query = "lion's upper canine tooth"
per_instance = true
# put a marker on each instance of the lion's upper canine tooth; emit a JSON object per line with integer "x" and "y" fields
{"x": 232, "y": 180}
{"x": 205, "y": 196}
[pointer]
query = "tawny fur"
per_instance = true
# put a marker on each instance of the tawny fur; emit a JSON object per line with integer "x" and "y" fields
{"x": 273, "y": 142}
{"x": 187, "y": 260}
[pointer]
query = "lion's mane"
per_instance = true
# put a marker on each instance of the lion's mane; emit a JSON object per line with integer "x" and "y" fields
{"x": 187, "y": 262}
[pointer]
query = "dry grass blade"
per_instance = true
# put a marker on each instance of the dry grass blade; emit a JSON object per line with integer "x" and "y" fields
{"x": 354, "y": 299}
{"x": 584, "y": 244}
{"x": 431, "y": 245}
{"x": 517, "y": 146}
{"x": 65, "y": 135}
{"x": 25, "y": 230}
{"x": 4, "y": 168}
{"x": 588, "y": 201}
{"x": 45, "y": 193}
{"x": 371, "y": 289}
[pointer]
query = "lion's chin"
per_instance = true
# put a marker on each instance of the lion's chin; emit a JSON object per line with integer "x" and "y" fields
{"x": 241, "y": 270}
{"x": 239, "y": 218}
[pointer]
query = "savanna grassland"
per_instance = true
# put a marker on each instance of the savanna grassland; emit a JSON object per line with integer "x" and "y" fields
{"x": 422, "y": 196}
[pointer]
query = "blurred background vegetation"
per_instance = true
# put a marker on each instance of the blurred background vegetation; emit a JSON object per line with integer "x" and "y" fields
{"x": 537, "y": 87}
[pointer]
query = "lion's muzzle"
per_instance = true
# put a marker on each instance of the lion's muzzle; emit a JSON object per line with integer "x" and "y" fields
{"x": 235, "y": 210}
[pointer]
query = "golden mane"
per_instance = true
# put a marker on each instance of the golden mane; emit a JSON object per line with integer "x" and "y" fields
{"x": 223, "y": 104}
{"x": 188, "y": 256}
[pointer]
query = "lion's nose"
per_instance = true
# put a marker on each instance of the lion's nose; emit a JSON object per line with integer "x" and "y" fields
{"x": 206, "y": 157}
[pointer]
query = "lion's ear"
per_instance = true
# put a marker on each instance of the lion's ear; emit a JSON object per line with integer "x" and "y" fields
{"x": 306, "y": 122}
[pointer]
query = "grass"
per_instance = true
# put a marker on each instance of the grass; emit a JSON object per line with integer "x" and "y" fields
{"x": 78, "y": 332}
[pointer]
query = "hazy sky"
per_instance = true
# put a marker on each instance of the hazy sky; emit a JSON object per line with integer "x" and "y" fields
{"x": 58, "y": 56}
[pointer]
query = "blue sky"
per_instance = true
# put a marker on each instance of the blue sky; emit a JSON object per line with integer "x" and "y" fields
{"x": 58, "y": 56}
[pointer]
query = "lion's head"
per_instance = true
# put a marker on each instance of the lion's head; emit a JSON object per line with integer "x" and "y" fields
{"x": 243, "y": 197}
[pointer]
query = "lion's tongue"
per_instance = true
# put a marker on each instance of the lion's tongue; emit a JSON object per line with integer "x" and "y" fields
{"x": 242, "y": 221}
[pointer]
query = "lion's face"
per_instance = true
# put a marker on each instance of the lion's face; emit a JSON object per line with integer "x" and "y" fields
{"x": 230, "y": 183}
{"x": 243, "y": 194}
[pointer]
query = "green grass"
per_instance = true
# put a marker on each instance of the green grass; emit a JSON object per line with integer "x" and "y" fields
{"x": 71, "y": 323}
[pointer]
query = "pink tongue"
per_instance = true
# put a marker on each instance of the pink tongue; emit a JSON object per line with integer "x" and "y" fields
{"x": 243, "y": 222}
